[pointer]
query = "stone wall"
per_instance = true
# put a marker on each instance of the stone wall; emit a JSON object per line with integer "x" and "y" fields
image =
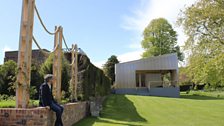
{"x": 73, "y": 112}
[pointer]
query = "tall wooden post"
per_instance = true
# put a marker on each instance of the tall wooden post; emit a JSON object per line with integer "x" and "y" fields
{"x": 25, "y": 54}
{"x": 57, "y": 64}
{"x": 74, "y": 79}
{"x": 73, "y": 73}
{"x": 76, "y": 70}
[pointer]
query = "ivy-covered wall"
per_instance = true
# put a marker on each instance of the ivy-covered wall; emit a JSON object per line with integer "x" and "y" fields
{"x": 92, "y": 80}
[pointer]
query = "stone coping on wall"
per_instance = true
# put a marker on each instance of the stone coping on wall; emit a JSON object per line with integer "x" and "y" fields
{"x": 41, "y": 116}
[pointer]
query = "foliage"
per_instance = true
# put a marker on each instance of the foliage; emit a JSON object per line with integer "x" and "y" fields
{"x": 92, "y": 80}
{"x": 184, "y": 78}
{"x": 159, "y": 39}
{"x": 8, "y": 78}
{"x": 203, "y": 23}
{"x": 36, "y": 80}
{"x": 109, "y": 67}
{"x": 6, "y": 97}
{"x": 47, "y": 68}
{"x": 33, "y": 92}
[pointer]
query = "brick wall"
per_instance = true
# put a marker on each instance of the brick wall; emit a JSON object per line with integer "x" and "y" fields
{"x": 73, "y": 112}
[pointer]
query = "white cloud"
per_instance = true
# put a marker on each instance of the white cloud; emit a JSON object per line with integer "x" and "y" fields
{"x": 151, "y": 9}
{"x": 6, "y": 48}
{"x": 134, "y": 45}
{"x": 99, "y": 63}
{"x": 129, "y": 56}
{"x": 2, "y": 53}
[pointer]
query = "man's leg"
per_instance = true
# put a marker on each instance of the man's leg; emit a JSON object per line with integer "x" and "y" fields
{"x": 62, "y": 109}
{"x": 58, "y": 111}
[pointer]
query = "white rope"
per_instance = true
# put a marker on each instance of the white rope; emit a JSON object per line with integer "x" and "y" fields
{"x": 41, "y": 21}
{"x": 43, "y": 51}
{"x": 73, "y": 48}
{"x": 72, "y": 62}
{"x": 55, "y": 48}
{"x": 65, "y": 42}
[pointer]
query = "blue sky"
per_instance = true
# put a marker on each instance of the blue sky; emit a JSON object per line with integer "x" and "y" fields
{"x": 100, "y": 27}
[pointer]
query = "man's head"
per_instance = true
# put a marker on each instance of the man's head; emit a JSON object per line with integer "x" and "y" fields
{"x": 49, "y": 78}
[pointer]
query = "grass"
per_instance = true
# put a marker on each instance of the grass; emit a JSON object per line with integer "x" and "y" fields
{"x": 193, "y": 109}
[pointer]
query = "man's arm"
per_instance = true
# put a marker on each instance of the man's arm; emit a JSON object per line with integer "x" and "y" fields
{"x": 46, "y": 96}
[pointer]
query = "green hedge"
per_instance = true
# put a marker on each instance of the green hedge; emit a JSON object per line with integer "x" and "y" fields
{"x": 94, "y": 82}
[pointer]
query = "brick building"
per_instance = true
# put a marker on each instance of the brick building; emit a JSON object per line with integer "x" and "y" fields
{"x": 37, "y": 56}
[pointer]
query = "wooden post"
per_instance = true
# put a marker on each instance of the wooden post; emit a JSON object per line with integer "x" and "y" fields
{"x": 57, "y": 64}
{"x": 25, "y": 54}
{"x": 55, "y": 61}
{"x": 74, "y": 79}
{"x": 73, "y": 73}
{"x": 76, "y": 70}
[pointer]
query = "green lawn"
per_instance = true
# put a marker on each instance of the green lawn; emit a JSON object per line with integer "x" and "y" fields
{"x": 194, "y": 109}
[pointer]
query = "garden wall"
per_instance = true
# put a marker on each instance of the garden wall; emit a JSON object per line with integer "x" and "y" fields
{"x": 73, "y": 112}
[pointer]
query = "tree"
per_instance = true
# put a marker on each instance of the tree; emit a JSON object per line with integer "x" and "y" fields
{"x": 184, "y": 78}
{"x": 109, "y": 67}
{"x": 159, "y": 39}
{"x": 8, "y": 77}
{"x": 203, "y": 23}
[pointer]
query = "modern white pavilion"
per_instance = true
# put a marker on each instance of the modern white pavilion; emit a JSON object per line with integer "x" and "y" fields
{"x": 156, "y": 76}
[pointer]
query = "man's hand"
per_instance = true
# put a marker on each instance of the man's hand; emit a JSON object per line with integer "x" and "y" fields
{"x": 47, "y": 107}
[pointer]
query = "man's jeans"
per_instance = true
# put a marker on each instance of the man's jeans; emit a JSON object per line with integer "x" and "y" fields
{"x": 59, "y": 110}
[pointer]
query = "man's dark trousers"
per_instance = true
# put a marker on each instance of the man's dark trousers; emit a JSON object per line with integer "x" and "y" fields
{"x": 47, "y": 99}
{"x": 59, "y": 110}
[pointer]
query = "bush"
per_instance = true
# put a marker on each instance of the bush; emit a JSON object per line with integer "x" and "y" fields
{"x": 8, "y": 77}
{"x": 95, "y": 82}
{"x": 6, "y": 97}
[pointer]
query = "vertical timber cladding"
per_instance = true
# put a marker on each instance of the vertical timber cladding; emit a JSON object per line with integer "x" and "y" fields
{"x": 25, "y": 54}
{"x": 57, "y": 63}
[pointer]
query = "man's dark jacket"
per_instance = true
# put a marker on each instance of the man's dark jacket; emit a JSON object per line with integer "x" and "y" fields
{"x": 45, "y": 95}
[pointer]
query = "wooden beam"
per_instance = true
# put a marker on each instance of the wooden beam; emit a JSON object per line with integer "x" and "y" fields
{"x": 76, "y": 70}
{"x": 72, "y": 73}
{"x": 57, "y": 64}
{"x": 55, "y": 61}
{"x": 25, "y": 54}
{"x": 74, "y": 79}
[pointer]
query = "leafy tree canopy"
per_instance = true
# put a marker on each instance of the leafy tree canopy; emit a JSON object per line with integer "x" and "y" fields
{"x": 203, "y": 23}
{"x": 160, "y": 38}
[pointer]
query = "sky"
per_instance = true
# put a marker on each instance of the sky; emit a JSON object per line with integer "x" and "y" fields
{"x": 101, "y": 28}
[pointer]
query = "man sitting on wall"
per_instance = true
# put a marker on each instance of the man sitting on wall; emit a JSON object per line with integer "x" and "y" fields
{"x": 47, "y": 100}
